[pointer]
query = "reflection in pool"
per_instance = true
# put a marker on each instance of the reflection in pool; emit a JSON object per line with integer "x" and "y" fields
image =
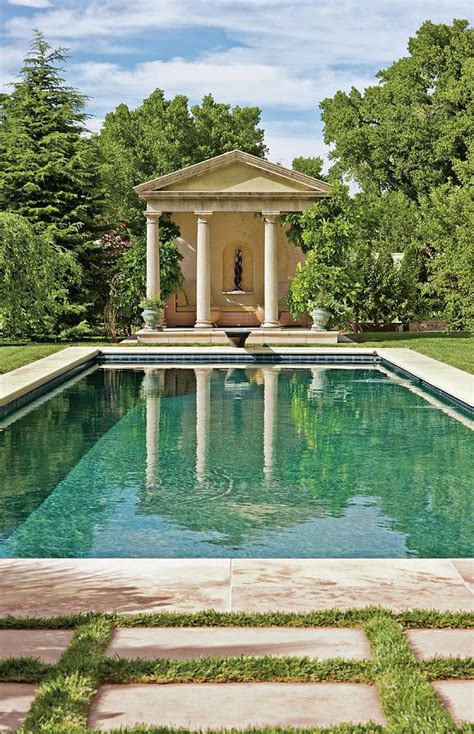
{"x": 231, "y": 461}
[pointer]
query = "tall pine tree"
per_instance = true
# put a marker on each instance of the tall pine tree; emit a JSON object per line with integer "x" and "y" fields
{"x": 50, "y": 170}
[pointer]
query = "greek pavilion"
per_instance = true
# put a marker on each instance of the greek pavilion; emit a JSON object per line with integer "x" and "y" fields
{"x": 237, "y": 260}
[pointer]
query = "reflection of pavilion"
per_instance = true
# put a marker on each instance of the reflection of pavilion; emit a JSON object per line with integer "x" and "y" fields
{"x": 153, "y": 390}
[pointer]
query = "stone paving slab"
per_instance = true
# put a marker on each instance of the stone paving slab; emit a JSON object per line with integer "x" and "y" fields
{"x": 442, "y": 643}
{"x": 260, "y": 585}
{"x": 15, "y": 702}
{"x": 185, "y": 643}
{"x": 47, "y": 587}
{"x": 465, "y": 568}
{"x": 438, "y": 374}
{"x": 48, "y": 645}
{"x": 18, "y": 382}
{"x": 458, "y": 697}
{"x": 235, "y": 705}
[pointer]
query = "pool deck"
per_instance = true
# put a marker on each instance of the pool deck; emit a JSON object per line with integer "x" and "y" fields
{"x": 17, "y": 385}
{"x": 48, "y": 587}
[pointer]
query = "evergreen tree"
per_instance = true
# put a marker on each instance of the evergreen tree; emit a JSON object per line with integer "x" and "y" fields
{"x": 50, "y": 167}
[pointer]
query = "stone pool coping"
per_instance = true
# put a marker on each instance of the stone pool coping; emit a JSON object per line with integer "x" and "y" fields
{"x": 46, "y": 587}
{"x": 25, "y": 383}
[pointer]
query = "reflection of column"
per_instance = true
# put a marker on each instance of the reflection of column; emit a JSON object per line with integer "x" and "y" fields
{"x": 270, "y": 405}
{"x": 203, "y": 272}
{"x": 203, "y": 403}
{"x": 319, "y": 379}
{"x": 152, "y": 387}
{"x": 271, "y": 271}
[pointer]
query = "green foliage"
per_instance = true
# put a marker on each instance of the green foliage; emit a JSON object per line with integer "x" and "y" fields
{"x": 447, "y": 224}
{"x": 405, "y": 142}
{"x": 162, "y": 136}
{"x": 129, "y": 281}
{"x": 50, "y": 169}
{"x": 411, "y": 132}
{"x": 309, "y": 166}
{"x": 34, "y": 279}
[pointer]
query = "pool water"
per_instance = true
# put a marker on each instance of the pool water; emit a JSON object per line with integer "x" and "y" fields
{"x": 265, "y": 461}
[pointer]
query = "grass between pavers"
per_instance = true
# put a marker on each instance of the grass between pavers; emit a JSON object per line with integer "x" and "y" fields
{"x": 409, "y": 702}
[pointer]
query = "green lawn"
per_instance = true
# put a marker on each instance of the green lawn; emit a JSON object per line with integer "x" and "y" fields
{"x": 456, "y": 349}
{"x": 409, "y": 702}
{"x": 13, "y": 356}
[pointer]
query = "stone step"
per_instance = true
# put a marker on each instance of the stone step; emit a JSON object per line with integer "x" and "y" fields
{"x": 191, "y": 642}
{"x": 234, "y": 705}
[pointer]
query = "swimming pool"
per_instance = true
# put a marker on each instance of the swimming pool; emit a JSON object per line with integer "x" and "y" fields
{"x": 239, "y": 461}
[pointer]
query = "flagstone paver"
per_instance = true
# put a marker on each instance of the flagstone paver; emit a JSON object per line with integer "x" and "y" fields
{"x": 465, "y": 568}
{"x": 238, "y": 705}
{"x": 301, "y": 585}
{"x": 48, "y": 645}
{"x": 45, "y": 587}
{"x": 441, "y": 643}
{"x": 458, "y": 697}
{"x": 15, "y": 702}
{"x": 192, "y": 642}
{"x": 50, "y": 586}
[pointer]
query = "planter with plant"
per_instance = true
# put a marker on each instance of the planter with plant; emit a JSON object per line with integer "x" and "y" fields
{"x": 319, "y": 290}
{"x": 152, "y": 313}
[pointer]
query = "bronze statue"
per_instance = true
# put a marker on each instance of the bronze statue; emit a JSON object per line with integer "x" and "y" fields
{"x": 238, "y": 270}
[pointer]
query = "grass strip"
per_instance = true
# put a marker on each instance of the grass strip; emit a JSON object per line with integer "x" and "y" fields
{"x": 339, "y": 729}
{"x": 410, "y": 704}
{"x": 24, "y": 670}
{"x": 241, "y": 669}
{"x": 415, "y": 619}
{"x": 63, "y": 699}
{"x": 443, "y": 668}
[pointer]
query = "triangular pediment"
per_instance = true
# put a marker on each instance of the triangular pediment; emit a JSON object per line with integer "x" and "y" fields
{"x": 235, "y": 172}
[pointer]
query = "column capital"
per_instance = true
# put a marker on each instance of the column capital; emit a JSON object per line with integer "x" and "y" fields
{"x": 271, "y": 216}
{"x": 203, "y": 216}
{"x": 152, "y": 216}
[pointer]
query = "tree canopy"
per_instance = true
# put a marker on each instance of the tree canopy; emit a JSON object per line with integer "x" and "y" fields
{"x": 163, "y": 135}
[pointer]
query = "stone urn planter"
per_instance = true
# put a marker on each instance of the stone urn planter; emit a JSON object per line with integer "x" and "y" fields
{"x": 320, "y": 319}
{"x": 152, "y": 319}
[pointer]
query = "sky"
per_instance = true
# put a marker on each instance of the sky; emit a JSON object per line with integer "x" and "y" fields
{"x": 284, "y": 56}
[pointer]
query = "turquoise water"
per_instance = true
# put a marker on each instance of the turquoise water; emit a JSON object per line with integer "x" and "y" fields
{"x": 255, "y": 462}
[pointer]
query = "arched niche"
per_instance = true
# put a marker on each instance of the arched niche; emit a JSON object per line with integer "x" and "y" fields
{"x": 229, "y": 268}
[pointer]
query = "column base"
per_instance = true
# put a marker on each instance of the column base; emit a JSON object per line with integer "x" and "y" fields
{"x": 203, "y": 325}
{"x": 271, "y": 325}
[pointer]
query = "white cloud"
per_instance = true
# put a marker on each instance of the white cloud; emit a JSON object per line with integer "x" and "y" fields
{"x": 31, "y": 3}
{"x": 278, "y": 54}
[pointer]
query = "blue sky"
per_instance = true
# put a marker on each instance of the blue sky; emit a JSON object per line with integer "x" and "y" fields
{"x": 282, "y": 55}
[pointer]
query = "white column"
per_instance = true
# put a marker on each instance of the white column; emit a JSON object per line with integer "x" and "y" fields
{"x": 203, "y": 406}
{"x": 152, "y": 387}
{"x": 203, "y": 272}
{"x": 270, "y": 407}
{"x": 271, "y": 271}
{"x": 153, "y": 254}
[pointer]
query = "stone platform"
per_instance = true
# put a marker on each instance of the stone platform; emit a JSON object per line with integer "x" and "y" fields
{"x": 257, "y": 336}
